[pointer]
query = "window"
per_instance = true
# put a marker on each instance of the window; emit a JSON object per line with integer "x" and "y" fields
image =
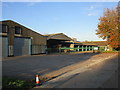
{"x": 4, "y": 28}
{"x": 18, "y": 30}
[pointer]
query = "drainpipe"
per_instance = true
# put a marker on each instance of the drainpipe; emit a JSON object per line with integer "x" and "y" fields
{"x": 11, "y": 41}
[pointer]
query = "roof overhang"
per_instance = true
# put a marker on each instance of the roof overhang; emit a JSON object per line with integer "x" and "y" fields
{"x": 96, "y": 43}
{"x": 58, "y": 36}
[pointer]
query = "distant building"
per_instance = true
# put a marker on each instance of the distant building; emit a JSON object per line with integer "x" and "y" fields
{"x": 102, "y": 45}
{"x": 57, "y": 41}
{"x": 18, "y": 40}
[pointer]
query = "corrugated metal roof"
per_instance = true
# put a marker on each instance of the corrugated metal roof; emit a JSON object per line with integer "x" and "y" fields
{"x": 98, "y": 43}
{"x": 58, "y": 36}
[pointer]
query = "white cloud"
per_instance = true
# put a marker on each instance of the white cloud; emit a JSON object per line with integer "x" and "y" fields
{"x": 31, "y": 3}
{"x": 93, "y": 13}
{"x": 94, "y": 6}
{"x": 91, "y": 7}
{"x": 92, "y": 10}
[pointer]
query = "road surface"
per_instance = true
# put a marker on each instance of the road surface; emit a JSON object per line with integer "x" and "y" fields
{"x": 27, "y": 67}
{"x": 101, "y": 75}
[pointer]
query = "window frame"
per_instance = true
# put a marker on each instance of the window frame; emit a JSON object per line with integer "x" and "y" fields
{"x": 18, "y": 32}
{"x": 6, "y": 28}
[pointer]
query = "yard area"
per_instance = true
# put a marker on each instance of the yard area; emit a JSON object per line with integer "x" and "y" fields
{"x": 27, "y": 67}
{"x": 52, "y": 65}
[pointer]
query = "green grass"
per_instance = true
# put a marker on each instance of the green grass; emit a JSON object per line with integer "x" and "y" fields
{"x": 8, "y": 82}
{"x": 110, "y": 51}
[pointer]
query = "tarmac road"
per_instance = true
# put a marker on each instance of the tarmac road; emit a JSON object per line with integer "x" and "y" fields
{"x": 101, "y": 75}
{"x": 27, "y": 67}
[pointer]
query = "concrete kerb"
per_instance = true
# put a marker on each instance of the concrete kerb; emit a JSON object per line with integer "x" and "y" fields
{"x": 69, "y": 71}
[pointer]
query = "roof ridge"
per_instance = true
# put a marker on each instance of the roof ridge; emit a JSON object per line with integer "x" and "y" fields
{"x": 53, "y": 34}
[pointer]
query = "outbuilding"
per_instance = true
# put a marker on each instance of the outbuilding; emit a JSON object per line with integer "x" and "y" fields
{"x": 91, "y": 45}
{"x": 57, "y": 41}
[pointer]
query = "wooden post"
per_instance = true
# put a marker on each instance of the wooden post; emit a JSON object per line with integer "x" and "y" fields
{"x": 86, "y": 48}
{"x": 82, "y": 48}
{"x": 89, "y": 48}
{"x": 78, "y": 47}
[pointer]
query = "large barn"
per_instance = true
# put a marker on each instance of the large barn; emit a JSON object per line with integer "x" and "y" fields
{"x": 18, "y": 40}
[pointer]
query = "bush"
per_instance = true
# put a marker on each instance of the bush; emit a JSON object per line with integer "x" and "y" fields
{"x": 15, "y": 83}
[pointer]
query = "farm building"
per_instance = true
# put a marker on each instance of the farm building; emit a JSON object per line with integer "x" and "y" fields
{"x": 57, "y": 41}
{"x": 18, "y": 40}
{"x": 87, "y": 46}
{"x": 83, "y": 46}
{"x": 60, "y": 42}
{"x": 103, "y": 45}
{"x": 90, "y": 45}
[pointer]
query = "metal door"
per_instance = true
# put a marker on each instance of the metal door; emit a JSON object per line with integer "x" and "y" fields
{"x": 22, "y": 46}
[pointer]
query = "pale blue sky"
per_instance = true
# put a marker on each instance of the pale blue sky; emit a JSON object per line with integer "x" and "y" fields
{"x": 75, "y": 19}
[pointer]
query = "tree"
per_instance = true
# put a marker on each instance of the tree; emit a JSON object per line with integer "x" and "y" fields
{"x": 108, "y": 27}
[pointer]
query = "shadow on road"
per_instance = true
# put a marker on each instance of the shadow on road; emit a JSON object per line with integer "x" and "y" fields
{"x": 28, "y": 67}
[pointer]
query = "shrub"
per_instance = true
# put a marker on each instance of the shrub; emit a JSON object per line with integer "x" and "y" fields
{"x": 16, "y": 83}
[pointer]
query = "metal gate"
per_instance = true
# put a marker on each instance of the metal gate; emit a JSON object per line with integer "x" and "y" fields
{"x": 22, "y": 46}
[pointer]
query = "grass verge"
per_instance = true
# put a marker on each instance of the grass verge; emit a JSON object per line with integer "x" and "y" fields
{"x": 10, "y": 82}
{"x": 111, "y": 52}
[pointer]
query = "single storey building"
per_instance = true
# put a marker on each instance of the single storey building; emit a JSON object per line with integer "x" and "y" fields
{"x": 91, "y": 45}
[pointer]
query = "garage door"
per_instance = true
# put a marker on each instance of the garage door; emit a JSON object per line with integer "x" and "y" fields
{"x": 22, "y": 46}
{"x": 4, "y": 48}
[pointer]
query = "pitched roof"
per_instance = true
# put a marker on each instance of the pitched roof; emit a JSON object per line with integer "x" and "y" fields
{"x": 58, "y": 36}
{"x": 20, "y": 25}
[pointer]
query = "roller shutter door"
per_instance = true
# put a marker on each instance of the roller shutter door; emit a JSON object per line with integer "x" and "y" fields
{"x": 4, "y": 48}
{"x": 22, "y": 46}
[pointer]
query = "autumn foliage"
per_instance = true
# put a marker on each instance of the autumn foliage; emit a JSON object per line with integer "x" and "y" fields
{"x": 108, "y": 27}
